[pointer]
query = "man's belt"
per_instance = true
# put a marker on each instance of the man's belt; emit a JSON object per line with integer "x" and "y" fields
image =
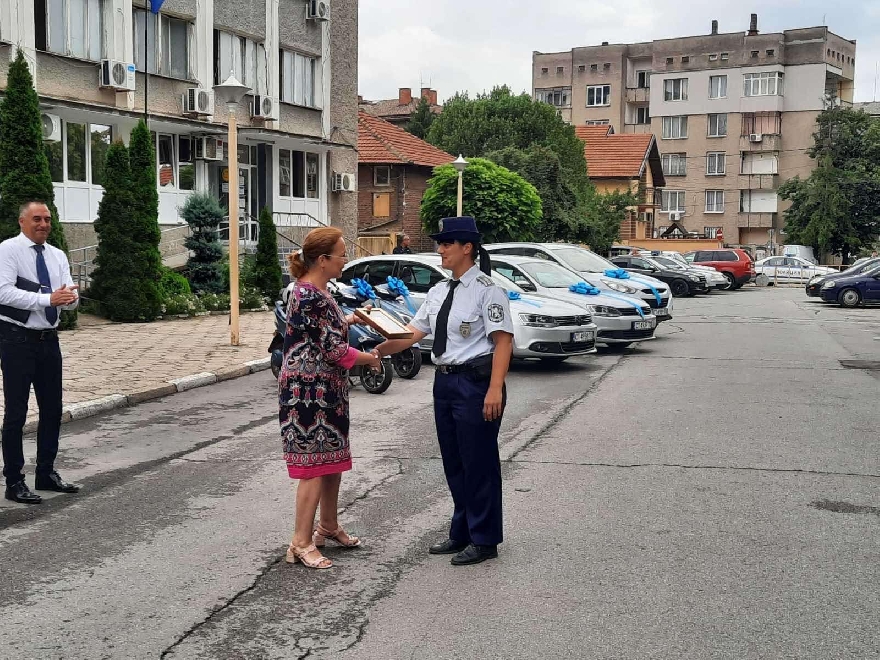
{"x": 32, "y": 333}
{"x": 481, "y": 366}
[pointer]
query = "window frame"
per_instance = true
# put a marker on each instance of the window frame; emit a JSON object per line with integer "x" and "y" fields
{"x": 669, "y": 91}
{"x": 376, "y": 177}
{"x": 548, "y": 95}
{"x": 253, "y": 74}
{"x": 711, "y": 232}
{"x": 605, "y": 93}
{"x": 162, "y": 58}
{"x": 715, "y": 194}
{"x": 722, "y": 86}
{"x": 682, "y": 123}
{"x": 718, "y": 157}
{"x": 646, "y": 115}
{"x": 88, "y": 161}
{"x": 759, "y": 84}
{"x": 305, "y": 184}
{"x": 681, "y": 201}
{"x": 310, "y": 63}
{"x": 69, "y": 18}
{"x": 717, "y": 116}
{"x": 643, "y": 75}
{"x": 679, "y": 159}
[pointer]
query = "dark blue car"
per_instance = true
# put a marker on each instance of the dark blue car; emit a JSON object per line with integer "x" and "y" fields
{"x": 854, "y": 290}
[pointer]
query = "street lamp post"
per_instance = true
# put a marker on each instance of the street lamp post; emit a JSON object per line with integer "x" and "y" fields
{"x": 231, "y": 92}
{"x": 460, "y": 164}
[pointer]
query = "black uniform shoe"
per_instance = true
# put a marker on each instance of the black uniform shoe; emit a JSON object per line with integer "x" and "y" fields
{"x": 22, "y": 494}
{"x": 54, "y": 482}
{"x": 448, "y": 547}
{"x": 475, "y": 554}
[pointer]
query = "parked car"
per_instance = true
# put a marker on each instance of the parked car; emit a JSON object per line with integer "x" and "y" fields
{"x": 814, "y": 286}
{"x": 621, "y": 320}
{"x": 790, "y": 269}
{"x": 714, "y": 279}
{"x": 853, "y": 290}
{"x": 542, "y": 328}
{"x": 805, "y": 252}
{"x": 735, "y": 264}
{"x": 593, "y": 269}
{"x": 681, "y": 283}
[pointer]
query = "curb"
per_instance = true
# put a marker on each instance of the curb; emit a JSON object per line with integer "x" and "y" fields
{"x": 85, "y": 409}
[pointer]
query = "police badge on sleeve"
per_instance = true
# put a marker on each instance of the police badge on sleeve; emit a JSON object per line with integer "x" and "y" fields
{"x": 496, "y": 313}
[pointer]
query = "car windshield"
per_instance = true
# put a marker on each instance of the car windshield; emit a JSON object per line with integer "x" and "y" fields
{"x": 668, "y": 263}
{"x": 584, "y": 261}
{"x": 863, "y": 265}
{"x": 550, "y": 275}
{"x": 678, "y": 259}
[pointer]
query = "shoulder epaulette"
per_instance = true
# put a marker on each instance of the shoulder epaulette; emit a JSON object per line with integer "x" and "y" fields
{"x": 485, "y": 280}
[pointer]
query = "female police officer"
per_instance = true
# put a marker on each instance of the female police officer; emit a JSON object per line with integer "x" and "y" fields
{"x": 469, "y": 317}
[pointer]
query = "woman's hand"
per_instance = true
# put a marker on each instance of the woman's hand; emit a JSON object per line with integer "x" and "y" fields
{"x": 353, "y": 319}
{"x": 372, "y": 360}
{"x": 493, "y": 405}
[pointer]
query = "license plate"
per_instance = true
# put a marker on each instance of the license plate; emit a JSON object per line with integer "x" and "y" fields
{"x": 580, "y": 337}
{"x": 643, "y": 325}
{"x": 661, "y": 311}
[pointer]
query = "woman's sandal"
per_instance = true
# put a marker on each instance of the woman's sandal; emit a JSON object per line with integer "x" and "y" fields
{"x": 340, "y": 536}
{"x": 295, "y": 554}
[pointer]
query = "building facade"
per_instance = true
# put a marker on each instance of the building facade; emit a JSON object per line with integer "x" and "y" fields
{"x": 398, "y": 111}
{"x": 297, "y": 127}
{"x": 733, "y": 113}
{"x": 393, "y": 172}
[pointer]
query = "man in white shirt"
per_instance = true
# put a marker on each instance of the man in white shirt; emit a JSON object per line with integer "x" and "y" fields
{"x": 35, "y": 284}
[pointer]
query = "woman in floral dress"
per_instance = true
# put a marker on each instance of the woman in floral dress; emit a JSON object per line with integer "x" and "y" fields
{"x": 313, "y": 395}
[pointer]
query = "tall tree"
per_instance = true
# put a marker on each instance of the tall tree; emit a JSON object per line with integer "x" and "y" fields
{"x": 505, "y": 206}
{"x": 421, "y": 119}
{"x": 24, "y": 168}
{"x": 266, "y": 274}
{"x": 203, "y": 213}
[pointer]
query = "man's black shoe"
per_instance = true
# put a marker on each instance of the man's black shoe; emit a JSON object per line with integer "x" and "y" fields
{"x": 448, "y": 547}
{"x": 54, "y": 482}
{"x": 22, "y": 494}
{"x": 475, "y": 554}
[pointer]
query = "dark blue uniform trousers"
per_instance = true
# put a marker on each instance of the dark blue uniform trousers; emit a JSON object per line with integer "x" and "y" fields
{"x": 469, "y": 447}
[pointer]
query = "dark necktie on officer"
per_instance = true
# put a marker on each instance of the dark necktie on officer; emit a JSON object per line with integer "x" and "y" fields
{"x": 45, "y": 282}
{"x": 443, "y": 320}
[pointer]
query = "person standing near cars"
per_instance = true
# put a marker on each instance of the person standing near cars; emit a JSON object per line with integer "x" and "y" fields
{"x": 403, "y": 248}
{"x": 313, "y": 395}
{"x": 35, "y": 283}
{"x": 469, "y": 316}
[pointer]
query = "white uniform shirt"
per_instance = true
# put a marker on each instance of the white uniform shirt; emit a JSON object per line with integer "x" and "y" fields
{"x": 18, "y": 258}
{"x": 479, "y": 308}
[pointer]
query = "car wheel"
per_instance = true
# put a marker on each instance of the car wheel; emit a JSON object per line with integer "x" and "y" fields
{"x": 849, "y": 298}
{"x": 731, "y": 281}
{"x": 679, "y": 288}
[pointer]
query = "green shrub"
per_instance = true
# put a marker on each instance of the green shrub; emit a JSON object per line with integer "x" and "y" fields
{"x": 215, "y": 302}
{"x": 266, "y": 273}
{"x": 172, "y": 283}
{"x": 183, "y": 303}
{"x": 250, "y": 298}
{"x": 203, "y": 213}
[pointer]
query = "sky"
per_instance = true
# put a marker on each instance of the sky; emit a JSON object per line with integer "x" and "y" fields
{"x": 474, "y": 45}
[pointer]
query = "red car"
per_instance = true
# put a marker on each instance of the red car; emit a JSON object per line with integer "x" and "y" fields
{"x": 735, "y": 264}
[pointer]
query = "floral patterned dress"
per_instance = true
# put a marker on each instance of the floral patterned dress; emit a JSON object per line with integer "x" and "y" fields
{"x": 313, "y": 385}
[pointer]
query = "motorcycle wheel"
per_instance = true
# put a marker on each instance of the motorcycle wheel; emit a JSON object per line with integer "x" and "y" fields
{"x": 408, "y": 364}
{"x": 276, "y": 345}
{"x": 376, "y": 382}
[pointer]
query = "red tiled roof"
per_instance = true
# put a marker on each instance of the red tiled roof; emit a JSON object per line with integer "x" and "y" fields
{"x": 381, "y": 142}
{"x": 393, "y": 108}
{"x": 613, "y": 155}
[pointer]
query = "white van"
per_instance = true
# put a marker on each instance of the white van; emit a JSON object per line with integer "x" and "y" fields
{"x": 802, "y": 251}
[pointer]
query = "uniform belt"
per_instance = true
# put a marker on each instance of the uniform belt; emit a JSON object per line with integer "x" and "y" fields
{"x": 467, "y": 367}
{"x": 32, "y": 333}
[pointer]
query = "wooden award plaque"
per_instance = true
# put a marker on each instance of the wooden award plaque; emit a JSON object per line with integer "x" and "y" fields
{"x": 383, "y": 323}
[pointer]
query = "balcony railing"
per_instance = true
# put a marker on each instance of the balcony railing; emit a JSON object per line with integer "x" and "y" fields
{"x": 759, "y": 142}
{"x": 638, "y": 94}
{"x": 755, "y": 220}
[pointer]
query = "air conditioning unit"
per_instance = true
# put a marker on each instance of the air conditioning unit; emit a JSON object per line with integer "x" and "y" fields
{"x": 208, "y": 148}
{"x": 117, "y": 75}
{"x": 343, "y": 182}
{"x": 318, "y": 10}
{"x": 675, "y": 216}
{"x": 264, "y": 107}
{"x": 51, "y": 127}
{"x": 755, "y": 137}
{"x": 197, "y": 101}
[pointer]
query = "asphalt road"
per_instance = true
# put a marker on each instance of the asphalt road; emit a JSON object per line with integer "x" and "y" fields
{"x": 712, "y": 494}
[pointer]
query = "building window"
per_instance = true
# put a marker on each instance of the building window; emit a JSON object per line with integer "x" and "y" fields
{"x": 381, "y": 205}
{"x": 643, "y": 79}
{"x": 771, "y": 52}
{"x": 713, "y": 57}
{"x": 381, "y": 175}
{"x": 675, "y": 89}
{"x": 717, "y": 125}
{"x": 582, "y": 68}
{"x": 598, "y": 95}
{"x": 171, "y": 58}
{"x": 185, "y": 164}
{"x": 725, "y": 56}
{"x": 559, "y": 97}
{"x": 243, "y": 57}
{"x": 711, "y": 232}
{"x": 675, "y": 128}
{"x": 685, "y": 59}
{"x": 298, "y": 174}
{"x": 643, "y": 115}
{"x": 607, "y": 66}
{"x": 715, "y": 163}
{"x": 714, "y": 201}
{"x": 765, "y": 123}
{"x": 768, "y": 83}
{"x": 717, "y": 87}
{"x": 74, "y": 28}
{"x": 83, "y": 149}
{"x": 754, "y": 54}
{"x": 99, "y": 144}
{"x": 165, "y": 154}
{"x": 598, "y": 122}
{"x": 674, "y": 164}
{"x": 559, "y": 70}
{"x": 298, "y": 79}
{"x": 75, "y": 138}
{"x": 594, "y": 67}
{"x": 544, "y": 70}
{"x": 672, "y": 201}
{"x": 669, "y": 60}
{"x": 174, "y": 161}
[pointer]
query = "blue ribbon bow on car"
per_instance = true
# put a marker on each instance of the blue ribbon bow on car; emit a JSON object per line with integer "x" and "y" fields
{"x": 585, "y": 289}
{"x": 617, "y": 273}
{"x": 516, "y": 295}
{"x": 397, "y": 287}
{"x": 363, "y": 288}
{"x": 621, "y": 274}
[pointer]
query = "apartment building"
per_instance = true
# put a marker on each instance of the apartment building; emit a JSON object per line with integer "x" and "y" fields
{"x": 297, "y": 127}
{"x": 733, "y": 114}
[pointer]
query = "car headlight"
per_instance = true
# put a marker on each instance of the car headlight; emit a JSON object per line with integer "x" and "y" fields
{"x": 620, "y": 288}
{"x": 816, "y": 279}
{"x": 829, "y": 285}
{"x": 538, "y": 320}
{"x": 604, "y": 310}
{"x": 693, "y": 278}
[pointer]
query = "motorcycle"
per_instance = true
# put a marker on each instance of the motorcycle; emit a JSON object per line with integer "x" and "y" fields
{"x": 360, "y": 337}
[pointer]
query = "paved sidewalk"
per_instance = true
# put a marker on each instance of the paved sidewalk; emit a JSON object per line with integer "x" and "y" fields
{"x": 116, "y": 364}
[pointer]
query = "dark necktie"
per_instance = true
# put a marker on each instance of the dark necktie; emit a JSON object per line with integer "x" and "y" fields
{"x": 45, "y": 282}
{"x": 440, "y": 333}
